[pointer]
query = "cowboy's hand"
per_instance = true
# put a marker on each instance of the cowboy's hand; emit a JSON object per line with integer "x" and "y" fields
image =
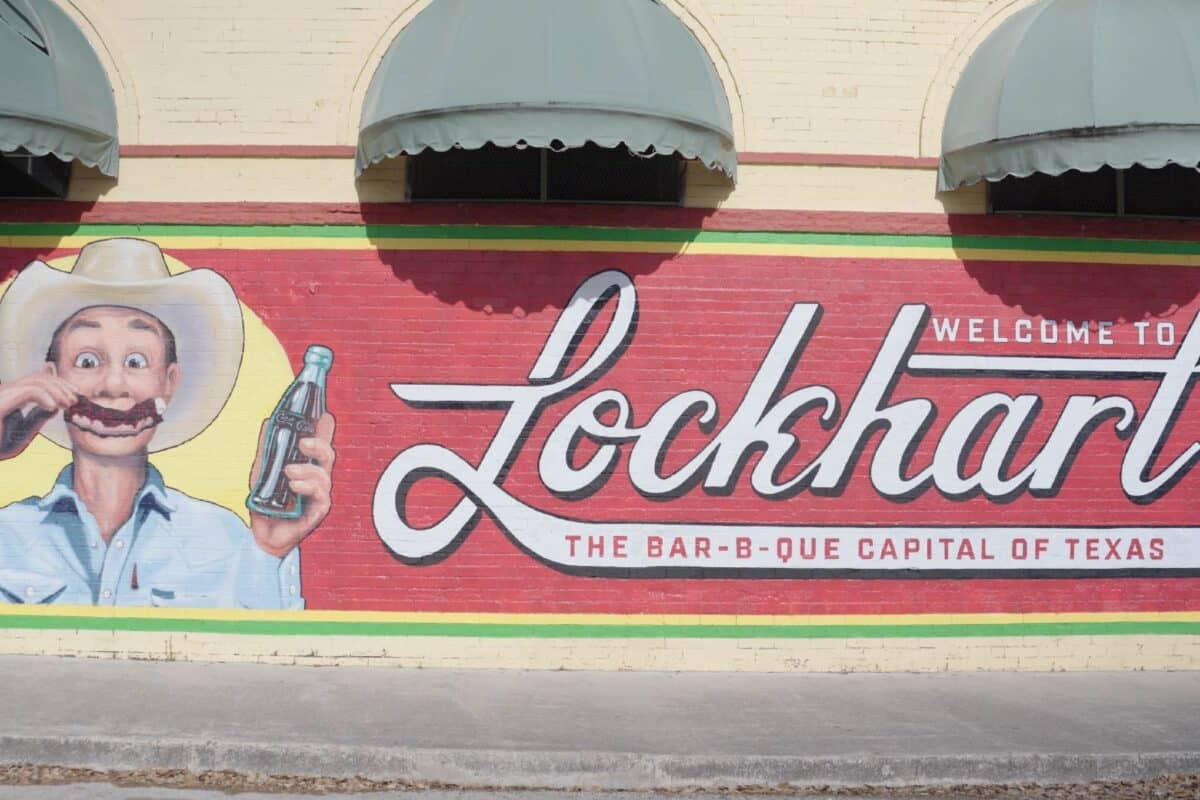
{"x": 44, "y": 394}
{"x": 310, "y": 481}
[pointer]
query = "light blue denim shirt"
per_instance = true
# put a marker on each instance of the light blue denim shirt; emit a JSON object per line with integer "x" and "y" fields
{"x": 174, "y": 551}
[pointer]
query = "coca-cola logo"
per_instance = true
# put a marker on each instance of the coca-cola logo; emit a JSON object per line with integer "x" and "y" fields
{"x": 992, "y": 423}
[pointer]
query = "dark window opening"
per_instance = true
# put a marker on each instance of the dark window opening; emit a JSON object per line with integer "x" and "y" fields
{"x": 1170, "y": 191}
{"x": 25, "y": 176}
{"x": 589, "y": 174}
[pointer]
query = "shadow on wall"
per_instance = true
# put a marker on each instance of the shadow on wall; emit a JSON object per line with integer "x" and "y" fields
{"x": 1083, "y": 288}
{"x": 88, "y": 184}
{"x": 502, "y": 258}
{"x": 56, "y": 220}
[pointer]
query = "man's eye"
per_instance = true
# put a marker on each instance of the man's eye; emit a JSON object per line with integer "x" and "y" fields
{"x": 136, "y": 361}
{"x": 87, "y": 360}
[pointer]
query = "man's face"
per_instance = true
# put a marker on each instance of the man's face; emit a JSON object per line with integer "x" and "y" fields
{"x": 116, "y": 358}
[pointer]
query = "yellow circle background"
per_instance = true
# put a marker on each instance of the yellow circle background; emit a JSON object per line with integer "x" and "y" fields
{"x": 213, "y": 466}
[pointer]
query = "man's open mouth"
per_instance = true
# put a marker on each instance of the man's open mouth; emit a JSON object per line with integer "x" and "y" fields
{"x": 105, "y": 421}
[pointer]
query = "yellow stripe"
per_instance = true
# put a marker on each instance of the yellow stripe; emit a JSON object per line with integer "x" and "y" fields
{"x": 598, "y": 619}
{"x": 671, "y": 248}
{"x": 1008, "y": 653}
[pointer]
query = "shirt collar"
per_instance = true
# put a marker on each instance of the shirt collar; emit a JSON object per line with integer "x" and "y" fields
{"x": 153, "y": 491}
{"x": 61, "y": 490}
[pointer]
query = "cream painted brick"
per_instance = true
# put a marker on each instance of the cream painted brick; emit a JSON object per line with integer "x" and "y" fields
{"x": 841, "y": 76}
{"x": 833, "y": 76}
{"x": 857, "y": 73}
{"x": 331, "y": 180}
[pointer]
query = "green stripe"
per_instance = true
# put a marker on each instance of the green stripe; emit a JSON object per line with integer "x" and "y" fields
{"x": 569, "y": 631}
{"x": 605, "y": 234}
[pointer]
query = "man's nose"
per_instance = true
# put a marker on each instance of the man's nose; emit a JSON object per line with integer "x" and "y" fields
{"x": 112, "y": 381}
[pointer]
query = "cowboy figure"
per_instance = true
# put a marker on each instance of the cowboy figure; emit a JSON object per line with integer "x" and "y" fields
{"x": 115, "y": 360}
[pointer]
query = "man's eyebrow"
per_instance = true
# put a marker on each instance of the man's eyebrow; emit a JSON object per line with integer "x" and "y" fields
{"x": 83, "y": 323}
{"x": 141, "y": 325}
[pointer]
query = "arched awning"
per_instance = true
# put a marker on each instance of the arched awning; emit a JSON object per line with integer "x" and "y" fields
{"x": 547, "y": 73}
{"x": 1078, "y": 84}
{"x": 54, "y": 95}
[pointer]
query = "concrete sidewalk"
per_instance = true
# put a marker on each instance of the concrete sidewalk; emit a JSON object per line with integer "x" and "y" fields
{"x": 566, "y": 730}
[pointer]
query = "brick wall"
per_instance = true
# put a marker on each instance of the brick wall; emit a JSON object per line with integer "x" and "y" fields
{"x": 406, "y": 305}
{"x": 469, "y": 295}
{"x": 830, "y": 77}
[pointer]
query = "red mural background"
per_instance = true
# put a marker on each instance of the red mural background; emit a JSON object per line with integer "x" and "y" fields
{"x": 704, "y": 322}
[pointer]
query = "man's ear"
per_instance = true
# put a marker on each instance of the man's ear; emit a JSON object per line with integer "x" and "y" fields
{"x": 50, "y": 368}
{"x": 172, "y": 381}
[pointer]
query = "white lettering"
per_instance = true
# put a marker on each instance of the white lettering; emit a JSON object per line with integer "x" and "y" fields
{"x": 945, "y": 329}
{"x": 1077, "y": 333}
{"x": 602, "y": 425}
{"x": 975, "y": 330}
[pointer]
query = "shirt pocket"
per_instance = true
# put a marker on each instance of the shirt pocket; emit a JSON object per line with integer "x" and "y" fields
{"x": 203, "y": 558}
{"x": 170, "y": 598}
{"x": 185, "y": 577}
{"x": 20, "y": 586}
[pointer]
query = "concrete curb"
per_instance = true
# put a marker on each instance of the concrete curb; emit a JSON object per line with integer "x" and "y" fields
{"x": 508, "y": 769}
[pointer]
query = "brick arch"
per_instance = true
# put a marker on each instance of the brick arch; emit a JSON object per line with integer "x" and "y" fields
{"x": 694, "y": 14}
{"x": 937, "y": 96}
{"x": 93, "y": 19}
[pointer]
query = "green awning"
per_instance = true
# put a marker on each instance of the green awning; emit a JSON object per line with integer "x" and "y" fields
{"x": 1078, "y": 84}
{"x": 547, "y": 73}
{"x": 54, "y": 95}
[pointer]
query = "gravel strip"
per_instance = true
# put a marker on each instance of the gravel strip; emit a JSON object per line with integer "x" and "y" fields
{"x": 1172, "y": 787}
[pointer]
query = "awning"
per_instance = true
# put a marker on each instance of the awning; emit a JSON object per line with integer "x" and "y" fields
{"x": 1078, "y": 84}
{"x": 54, "y": 95}
{"x": 547, "y": 73}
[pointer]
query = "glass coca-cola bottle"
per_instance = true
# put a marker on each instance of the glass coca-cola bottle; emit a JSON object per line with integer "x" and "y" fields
{"x": 295, "y": 418}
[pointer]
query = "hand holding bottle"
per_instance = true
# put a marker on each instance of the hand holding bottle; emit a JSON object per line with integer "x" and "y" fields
{"x": 290, "y": 482}
{"x": 311, "y": 482}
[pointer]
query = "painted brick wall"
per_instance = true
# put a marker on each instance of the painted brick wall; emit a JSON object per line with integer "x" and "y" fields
{"x": 474, "y": 306}
{"x": 832, "y": 76}
{"x": 839, "y": 77}
{"x": 469, "y": 295}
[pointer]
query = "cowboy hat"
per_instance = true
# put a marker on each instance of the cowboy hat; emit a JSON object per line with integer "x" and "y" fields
{"x": 198, "y": 306}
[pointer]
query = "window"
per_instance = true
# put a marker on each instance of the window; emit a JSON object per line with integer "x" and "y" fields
{"x": 589, "y": 174}
{"x": 24, "y": 176}
{"x": 1171, "y": 191}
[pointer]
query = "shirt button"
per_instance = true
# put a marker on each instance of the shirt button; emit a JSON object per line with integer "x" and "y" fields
{"x": 107, "y": 593}
{"x": 292, "y": 589}
{"x": 95, "y": 544}
{"x": 292, "y": 570}
{"x": 119, "y": 543}
{"x": 29, "y": 591}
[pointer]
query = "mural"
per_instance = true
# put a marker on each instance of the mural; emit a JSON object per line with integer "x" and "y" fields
{"x": 118, "y": 359}
{"x": 594, "y": 420}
